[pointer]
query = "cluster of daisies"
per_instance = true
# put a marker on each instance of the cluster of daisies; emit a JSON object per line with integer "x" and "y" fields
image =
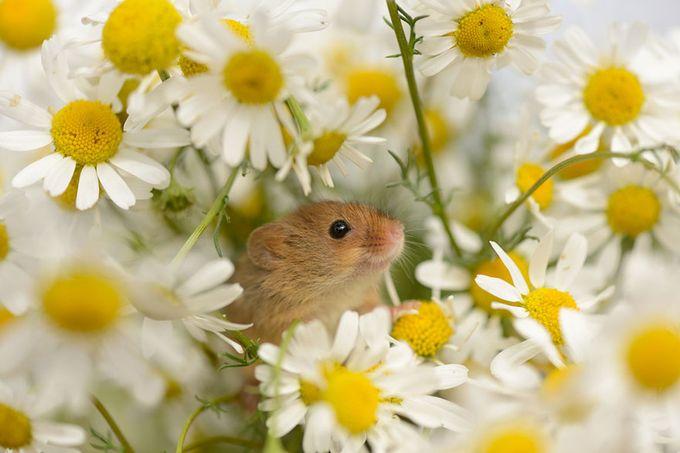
{"x": 141, "y": 141}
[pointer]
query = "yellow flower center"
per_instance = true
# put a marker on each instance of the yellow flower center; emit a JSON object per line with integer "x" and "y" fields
{"x": 191, "y": 68}
{"x": 366, "y": 82}
{"x": 632, "y": 210}
{"x": 426, "y": 332}
{"x": 483, "y": 32}
{"x": 614, "y": 95}
{"x": 310, "y": 393}
{"x": 527, "y": 175}
{"x": 578, "y": 169}
{"x": 556, "y": 390}
{"x": 4, "y": 242}
{"x": 15, "y": 428}
{"x": 353, "y": 397}
{"x": 87, "y": 131}
{"x": 438, "y": 129}
{"x": 514, "y": 439}
{"x": 653, "y": 357}
{"x": 325, "y": 147}
{"x": 495, "y": 268}
{"x": 83, "y": 302}
{"x": 25, "y": 24}
{"x": 544, "y": 305}
{"x": 253, "y": 77}
{"x": 6, "y": 317}
{"x": 139, "y": 36}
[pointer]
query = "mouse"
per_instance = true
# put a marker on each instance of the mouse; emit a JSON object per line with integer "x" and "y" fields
{"x": 317, "y": 262}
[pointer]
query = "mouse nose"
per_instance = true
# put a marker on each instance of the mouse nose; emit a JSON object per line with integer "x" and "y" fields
{"x": 395, "y": 234}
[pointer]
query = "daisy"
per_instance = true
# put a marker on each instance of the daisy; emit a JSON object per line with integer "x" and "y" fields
{"x": 26, "y": 429}
{"x": 164, "y": 293}
{"x": 239, "y": 99}
{"x": 606, "y": 96}
{"x": 630, "y": 203}
{"x": 354, "y": 388}
{"x": 475, "y": 36}
{"x": 78, "y": 331}
{"x": 339, "y": 131}
{"x": 85, "y": 140}
{"x": 536, "y": 308}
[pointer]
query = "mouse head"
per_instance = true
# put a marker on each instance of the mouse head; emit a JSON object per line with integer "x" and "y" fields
{"x": 328, "y": 244}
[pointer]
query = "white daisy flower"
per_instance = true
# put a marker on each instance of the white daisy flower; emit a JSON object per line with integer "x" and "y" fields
{"x": 339, "y": 131}
{"x": 354, "y": 388}
{"x": 77, "y": 333}
{"x": 475, "y": 36}
{"x": 25, "y": 427}
{"x": 606, "y": 96}
{"x": 239, "y": 99}
{"x": 630, "y": 203}
{"x": 536, "y": 308}
{"x": 85, "y": 140}
{"x": 164, "y": 293}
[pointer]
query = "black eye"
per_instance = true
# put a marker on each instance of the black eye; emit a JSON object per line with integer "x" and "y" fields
{"x": 339, "y": 229}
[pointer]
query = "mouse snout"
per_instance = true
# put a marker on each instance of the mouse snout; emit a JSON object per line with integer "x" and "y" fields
{"x": 392, "y": 239}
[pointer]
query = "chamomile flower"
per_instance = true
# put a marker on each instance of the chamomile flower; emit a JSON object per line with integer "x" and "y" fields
{"x": 239, "y": 99}
{"x": 473, "y": 37}
{"x": 631, "y": 203}
{"x": 84, "y": 139}
{"x": 164, "y": 293}
{"x": 339, "y": 132}
{"x": 536, "y": 305}
{"x": 606, "y": 96}
{"x": 354, "y": 388}
{"x": 26, "y": 428}
{"x": 76, "y": 333}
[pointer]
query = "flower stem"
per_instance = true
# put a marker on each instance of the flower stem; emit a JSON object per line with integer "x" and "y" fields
{"x": 491, "y": 232}
{"x": 407, "y": 58}
{"x": 215, "y": 209}
{"x": 127, "y": 448}
{"x": 194, "y": 415}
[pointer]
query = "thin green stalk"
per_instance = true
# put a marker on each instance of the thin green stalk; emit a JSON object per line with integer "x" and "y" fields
{"x": 299, "y": 116}
{"x": 491, "y": 232}
{"x": 407, "y": 59}
{"x": 215, "y": 209}
{"x": 127, "y": 448}
{"x": 194, "y": 415}
{"x": 247, "y": 443}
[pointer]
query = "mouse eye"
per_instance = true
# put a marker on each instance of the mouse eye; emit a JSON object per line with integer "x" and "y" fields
{"x": 339, "y": 229}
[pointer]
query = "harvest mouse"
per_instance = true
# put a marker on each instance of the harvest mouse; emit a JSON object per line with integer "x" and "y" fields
{"x": 315, "y": 263}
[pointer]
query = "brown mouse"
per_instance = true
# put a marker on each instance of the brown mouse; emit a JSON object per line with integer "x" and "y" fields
{"x": 315, "y": 263}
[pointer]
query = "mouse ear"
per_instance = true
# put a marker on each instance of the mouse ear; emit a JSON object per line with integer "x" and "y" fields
{"x": 266, "y": 245}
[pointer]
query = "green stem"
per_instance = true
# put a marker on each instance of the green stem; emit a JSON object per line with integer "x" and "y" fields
{"x": 215, "y": 209}
{"x": 194, "y": 415}
{"x": 299, "y": 116}
{"x": 127, "y": 448}
{"x": 247, "y": 443}
{"x": 407, "y": 59}
{"x": 491, "y": 232}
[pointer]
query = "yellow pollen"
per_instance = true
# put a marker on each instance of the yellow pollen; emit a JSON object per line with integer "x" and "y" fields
{"x": 87, "y": 131}
{"x": 241, "y": 30}
{"x": 527, "y": 175}
{"x": 253, "y": 77}
{"x": 653, "y": 357}
{"x": 25, "y": 24}
{"x": 544, "y": 305}
{"x": 310, "y": 393}
{"x": 83, "y": 302}
{"x": 6, "y": 317}
{"x": 632, "y": 210}
{"x": 15, "y": 428}
{"x": 325, "y": 147}
{"x": 495, "y": 268}
{"x": 614, "y": 95}
{"x": 192, "y": 68}
{"x": 4, "y": 242}
{"x": 580, "y": 168}
{"x": 139, "y": 36}
{"x": 483, "y": 32}
{"x": 426, "y": 332}
{"x": 514, "y": 439}
{"x": 353, "y": 397}
{"x": 366, "y": 82}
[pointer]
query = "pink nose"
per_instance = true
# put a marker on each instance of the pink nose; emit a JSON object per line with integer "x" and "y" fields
{"x": 395, "y": 233}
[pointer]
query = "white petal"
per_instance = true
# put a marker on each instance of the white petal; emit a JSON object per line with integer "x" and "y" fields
{"x": 515, "y": 273}
{"x": 158, "y": 138}
{"x": 24, "y": 140}
{"x": 19, "y": 109}
{"x": 318, "y": 428}
{"x": 207, "y": 277}
{"x": 143, "y": 167}
{"x": 571, "y": 261}
{"x": 578, "y": 331}
{"x": 58, "y": 179}
{"x": 345, "y": 337}
{"x": 540, "y": 259}
{"x": 441, "y": 275}
{"x": 59, "y": 433}
{"x": 282, "y": 421}
{"x": 509, "y": 365}
{"x": 36, "y": 171}
{"x": 88, "y": 188}
{"x": 499, "y": 288}
{"x": 115, "y": 187}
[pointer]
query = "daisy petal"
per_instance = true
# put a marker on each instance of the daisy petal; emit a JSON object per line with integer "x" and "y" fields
{"x": 571, "y": 261}
{"x": 499, "y": 288}
{"x": 36, "y": 171}
{"x": 24, "y": 140}
{"x": 115, "y": 187}
{"x": 539, "y": 260}
{"x": 515, "y": 273}
{"x": 88, "y": 188}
